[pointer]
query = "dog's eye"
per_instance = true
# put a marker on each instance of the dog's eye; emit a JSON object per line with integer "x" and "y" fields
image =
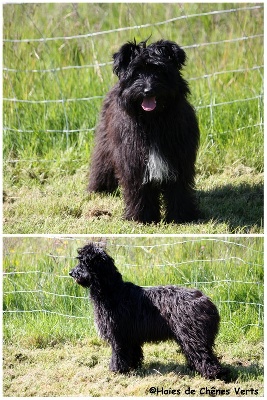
{"x": 137, "y": 75}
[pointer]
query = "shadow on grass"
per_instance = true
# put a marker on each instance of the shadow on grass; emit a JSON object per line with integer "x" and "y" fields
{"x": 158, "y": 368}
{"x": 233, "y": 373}
{"x": 240, "y": 206}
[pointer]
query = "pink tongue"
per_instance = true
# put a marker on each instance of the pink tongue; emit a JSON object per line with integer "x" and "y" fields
{"x": 149, "y": 103}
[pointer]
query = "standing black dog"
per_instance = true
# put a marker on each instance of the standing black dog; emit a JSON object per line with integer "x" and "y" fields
{"x": 148, "y": 135}
{"x": 127, "y": 315}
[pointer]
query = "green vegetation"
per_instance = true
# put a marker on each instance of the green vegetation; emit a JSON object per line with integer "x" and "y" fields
{"x": 82, "y": 370}
{"x": 36, "y": 278}
{"x": 48, "y": 140}
{"x": 55, "y": 333}
{"x": 51, "y": 347}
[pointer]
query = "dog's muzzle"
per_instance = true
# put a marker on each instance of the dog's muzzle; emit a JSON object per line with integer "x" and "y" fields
{"x": 79, "y": 278}
{"x": 73, "y": 275}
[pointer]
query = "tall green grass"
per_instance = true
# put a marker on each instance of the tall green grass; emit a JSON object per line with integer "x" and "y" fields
{"x": 48, "y": 307}
{"x": 232, "y": 133}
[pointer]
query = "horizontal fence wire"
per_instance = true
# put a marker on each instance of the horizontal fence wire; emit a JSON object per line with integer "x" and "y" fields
{"x": 98, "y": 65}
{"x": 133, "y": 27}
{"x": 56, "y": 290}
{"x": 57, "y": 69}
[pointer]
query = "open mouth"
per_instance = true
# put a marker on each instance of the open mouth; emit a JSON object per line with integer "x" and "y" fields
{"x": 149, "y": 103}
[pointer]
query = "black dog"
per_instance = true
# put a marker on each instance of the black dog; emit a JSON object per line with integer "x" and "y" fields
{"x": 148, "y": 135}
{"x": 127, "y": 315}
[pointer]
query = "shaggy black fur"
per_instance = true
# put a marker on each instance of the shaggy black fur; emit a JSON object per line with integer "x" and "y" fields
{"x": 148, "y": 135}
{"x": 127, "y": 315}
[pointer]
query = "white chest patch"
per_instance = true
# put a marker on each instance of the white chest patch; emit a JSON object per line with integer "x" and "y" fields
{"x": 157, "y": 169}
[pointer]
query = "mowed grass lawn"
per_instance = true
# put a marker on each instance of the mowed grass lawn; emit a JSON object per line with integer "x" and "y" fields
{"x": 53, "y": 91}
{"x": 51, "y": 347}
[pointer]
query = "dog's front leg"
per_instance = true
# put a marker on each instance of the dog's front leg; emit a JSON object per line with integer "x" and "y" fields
{"x": 180, "y": 203}
{"x": 142, "y": 203}
{"x": 125, "y": 358}
{"x": 118, "y": 362}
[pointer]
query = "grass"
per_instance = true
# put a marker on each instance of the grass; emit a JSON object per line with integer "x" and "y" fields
{"x": 47, "y": 145}
{"x": 56, "y": 351}
{"x": 36, "y": 278}
{"x": 51, "y": 347}
{"x": 229, "y": 202}
{"x": 82, "y": 370}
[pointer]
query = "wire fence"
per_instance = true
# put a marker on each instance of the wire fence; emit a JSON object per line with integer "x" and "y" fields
{"x": 229, "y": 271}
{"x": 38, "y": 93}
{"x": 134, "y": 27}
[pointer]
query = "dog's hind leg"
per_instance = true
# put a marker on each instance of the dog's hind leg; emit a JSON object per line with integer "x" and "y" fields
{"x": 102, "y": 174}
{"x": 202, "y": 359}
{"x": 137, "y": 356}
{"x": 208, "y": 366}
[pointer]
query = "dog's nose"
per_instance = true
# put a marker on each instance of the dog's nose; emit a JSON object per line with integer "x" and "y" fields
{"x": 70, "y": 273}
{"x": 149, "y": 92}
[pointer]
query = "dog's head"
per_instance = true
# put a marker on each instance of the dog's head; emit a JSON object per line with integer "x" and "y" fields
{"x": 95, "y": 265}
{"x": 149, "y": 76}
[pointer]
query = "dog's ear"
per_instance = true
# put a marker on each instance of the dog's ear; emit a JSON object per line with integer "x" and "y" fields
{"x": 124, "y": 56}
{"x": 89, "y": 252}
{"x": 171, "y": 51}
